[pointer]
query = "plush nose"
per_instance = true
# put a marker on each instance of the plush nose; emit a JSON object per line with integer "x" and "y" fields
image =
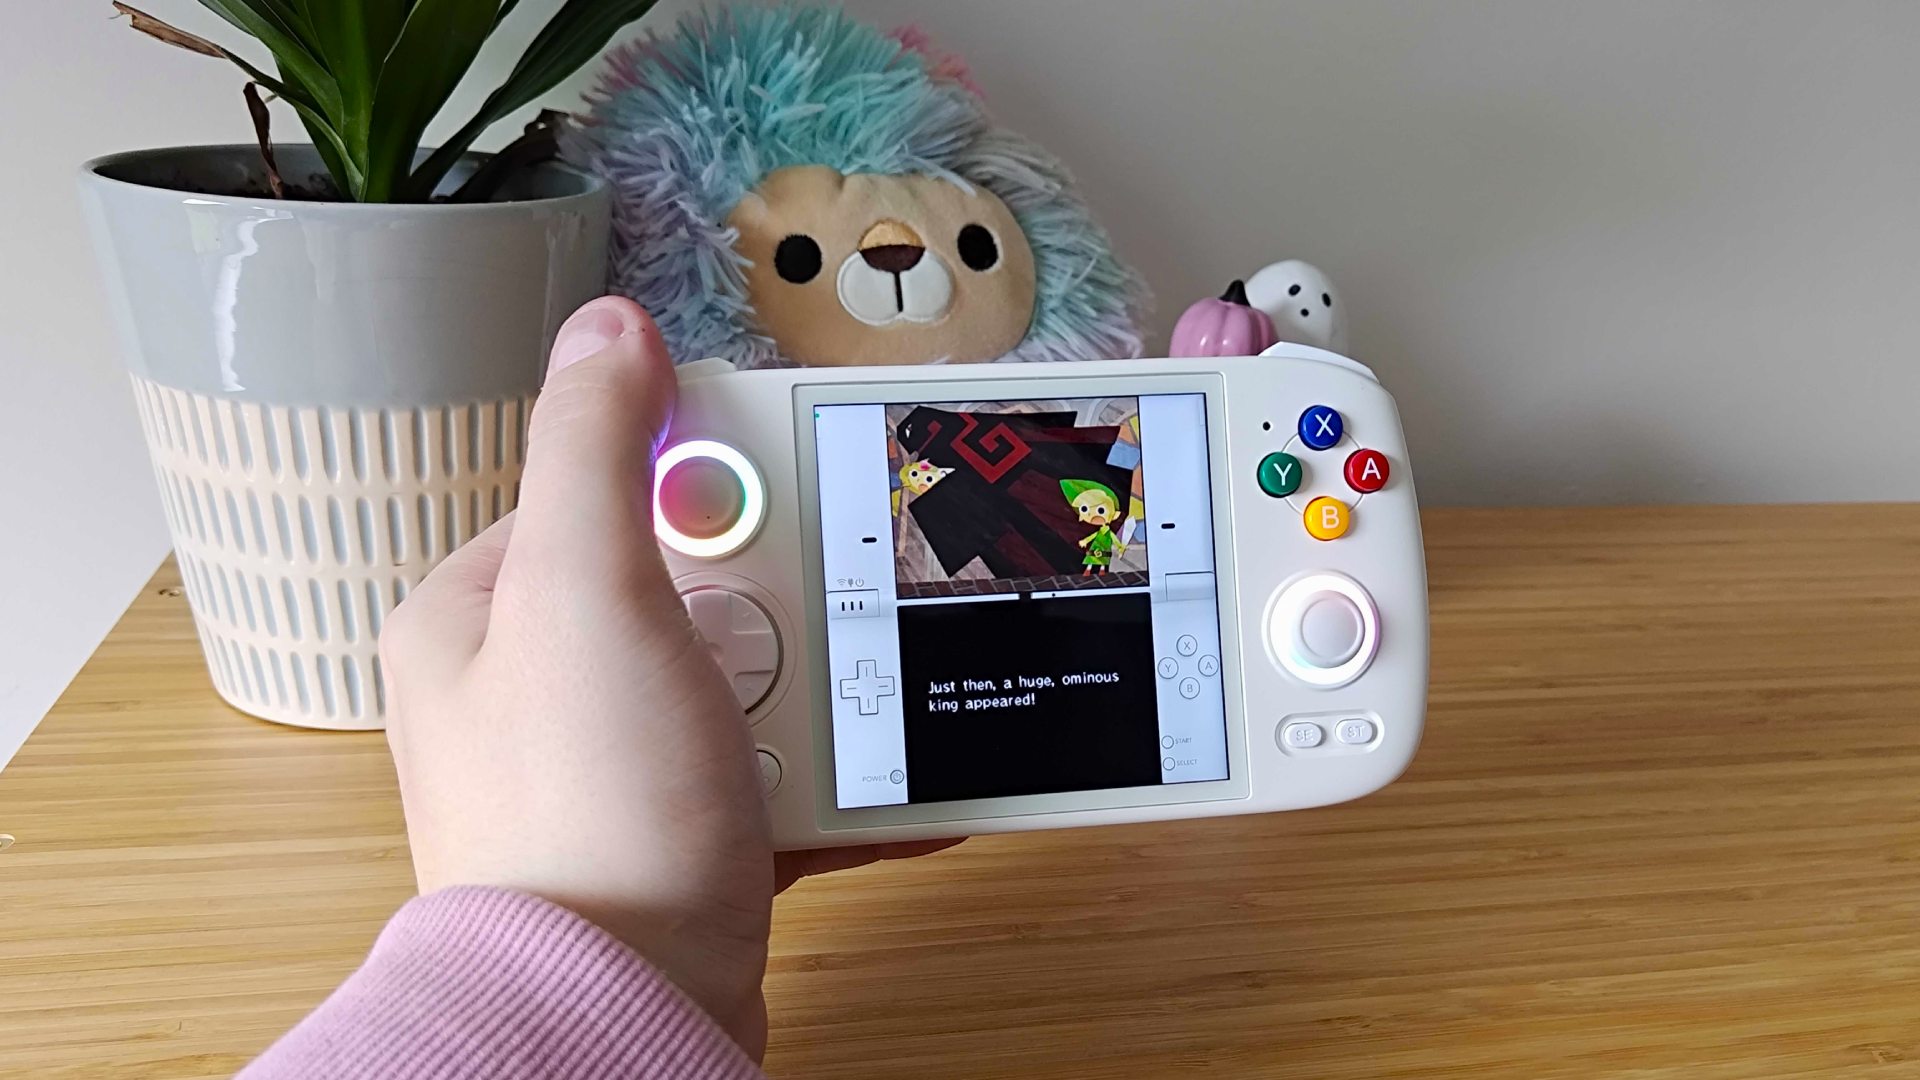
{"x": 892, "y": 247}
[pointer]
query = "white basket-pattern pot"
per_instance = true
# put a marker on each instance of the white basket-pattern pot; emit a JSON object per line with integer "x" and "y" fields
{"x": 335, "y": 395}
{"x": 299, "y": 528}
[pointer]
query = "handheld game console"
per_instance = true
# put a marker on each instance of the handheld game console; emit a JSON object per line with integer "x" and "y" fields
{"x": 960, "y": 600}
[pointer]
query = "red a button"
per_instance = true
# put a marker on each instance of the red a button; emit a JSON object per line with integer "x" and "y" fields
{"x": 1366, "y": 471}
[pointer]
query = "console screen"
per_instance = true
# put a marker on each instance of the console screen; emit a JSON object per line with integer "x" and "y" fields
{"x": 1020, "y": 597}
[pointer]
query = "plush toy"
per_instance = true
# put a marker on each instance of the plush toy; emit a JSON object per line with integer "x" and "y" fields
{"x": 792, "y": 186}
{"x": 1303, "y": 304}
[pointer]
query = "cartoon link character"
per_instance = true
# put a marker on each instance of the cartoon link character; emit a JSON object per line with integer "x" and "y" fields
{"x": 1097, "y": 505}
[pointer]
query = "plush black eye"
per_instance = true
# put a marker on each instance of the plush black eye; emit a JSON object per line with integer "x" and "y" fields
{"x": 797, "y": 259}
{"x": 1295, "y": 291}
{"x": 1326, "y": 298}
{"x": 977, "y": 248}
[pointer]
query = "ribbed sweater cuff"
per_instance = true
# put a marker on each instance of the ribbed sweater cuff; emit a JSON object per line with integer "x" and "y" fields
{"x": 478, "y": 983}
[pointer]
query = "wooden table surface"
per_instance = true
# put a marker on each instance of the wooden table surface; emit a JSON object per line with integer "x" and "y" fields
{"x": 1666, "y": 823}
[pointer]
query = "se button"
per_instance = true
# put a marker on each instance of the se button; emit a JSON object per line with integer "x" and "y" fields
{"x": 1302, "y": 736}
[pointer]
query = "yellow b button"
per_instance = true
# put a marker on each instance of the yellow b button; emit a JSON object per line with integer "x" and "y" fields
{"x": 1327, "y": 518}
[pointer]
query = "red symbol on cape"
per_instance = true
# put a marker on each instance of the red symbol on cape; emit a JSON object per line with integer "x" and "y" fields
{"x": 998, "y": 439}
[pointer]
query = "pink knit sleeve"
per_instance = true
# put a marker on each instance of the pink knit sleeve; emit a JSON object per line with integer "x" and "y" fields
{"x": 483, "y": 983}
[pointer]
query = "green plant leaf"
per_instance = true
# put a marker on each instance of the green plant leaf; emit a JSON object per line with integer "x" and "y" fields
{"x": 333, "y": 151}
{"x": 349, "y": 177}
{"x": 175, "y": 36}
{"x": 292, "y": 17}
{"x": 277, "y": 13}
{"x": 353, "y": 38}
{"x": 346, "y": 163}
{"x": 266, "y": 21}
{"x": 575, "y": 35}
{"x": 349, "y": 173}
{"x": 435, "y": 48}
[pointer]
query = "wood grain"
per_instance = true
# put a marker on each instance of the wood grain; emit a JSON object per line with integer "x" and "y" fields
{"x": 1664, "y": 825}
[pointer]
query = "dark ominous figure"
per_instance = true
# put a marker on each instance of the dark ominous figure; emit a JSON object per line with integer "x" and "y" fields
{"x": 1002, "y": 502}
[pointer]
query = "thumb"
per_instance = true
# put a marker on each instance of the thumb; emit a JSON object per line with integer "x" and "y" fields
{"x": 586, "y": 495}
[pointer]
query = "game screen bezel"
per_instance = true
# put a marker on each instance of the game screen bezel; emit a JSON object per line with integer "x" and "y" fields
{"x": 807, "y": 398}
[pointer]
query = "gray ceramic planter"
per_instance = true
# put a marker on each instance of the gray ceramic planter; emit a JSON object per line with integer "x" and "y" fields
{"x": 334, "y": 395}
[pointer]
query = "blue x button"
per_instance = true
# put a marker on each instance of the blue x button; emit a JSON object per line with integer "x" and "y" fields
{"x": 1321, "y": 427}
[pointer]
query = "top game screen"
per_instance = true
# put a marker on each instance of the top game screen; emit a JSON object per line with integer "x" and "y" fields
{"x": 1016, "y": 502}
{"x": 1020, "y": 597}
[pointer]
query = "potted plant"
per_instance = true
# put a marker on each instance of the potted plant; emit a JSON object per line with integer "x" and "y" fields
{"x": 334, "y": 346}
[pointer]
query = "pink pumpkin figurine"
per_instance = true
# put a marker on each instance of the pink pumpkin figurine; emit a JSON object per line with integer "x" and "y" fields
{"x": 1229, "y": 326}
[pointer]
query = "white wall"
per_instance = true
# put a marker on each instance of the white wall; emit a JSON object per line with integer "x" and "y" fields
{"x": 1618, "y": 251}
{"x": 1602, "y": 252}
{"x": 80, "y": 528}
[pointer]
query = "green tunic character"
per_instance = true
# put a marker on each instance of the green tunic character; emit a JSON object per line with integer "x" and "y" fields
{"x": 1096, "y": 505}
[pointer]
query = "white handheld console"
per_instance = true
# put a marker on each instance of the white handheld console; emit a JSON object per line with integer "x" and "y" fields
{"x": 962, "y": 600}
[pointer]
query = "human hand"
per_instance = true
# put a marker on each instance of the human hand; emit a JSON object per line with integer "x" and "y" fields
{"x": 557, "y": 724}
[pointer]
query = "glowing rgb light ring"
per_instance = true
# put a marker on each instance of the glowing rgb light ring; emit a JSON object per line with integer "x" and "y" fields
{"x": 753, "y": 507}
{"x": 1284, "y": 612}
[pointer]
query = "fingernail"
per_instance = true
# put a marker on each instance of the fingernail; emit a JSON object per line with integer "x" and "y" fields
{"x": 589, "y": 331}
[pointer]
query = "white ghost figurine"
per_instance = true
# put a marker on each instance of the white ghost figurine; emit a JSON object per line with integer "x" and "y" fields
{"x": 1303, "y": 304}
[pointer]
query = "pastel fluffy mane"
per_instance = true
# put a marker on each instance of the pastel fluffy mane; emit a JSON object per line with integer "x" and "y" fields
{"x": 685, "y": 125}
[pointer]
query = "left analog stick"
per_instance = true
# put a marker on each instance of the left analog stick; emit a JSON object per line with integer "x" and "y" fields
{"x": 708, "y": 499}
{"x": 702, "y": 498}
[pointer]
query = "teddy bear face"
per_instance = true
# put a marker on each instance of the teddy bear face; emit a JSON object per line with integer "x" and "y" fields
{"x": 864, "y": 269}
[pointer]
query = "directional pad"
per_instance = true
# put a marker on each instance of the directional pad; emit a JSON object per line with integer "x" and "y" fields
{"x": 867, "y": 686}
{"x": 742, "y": 638}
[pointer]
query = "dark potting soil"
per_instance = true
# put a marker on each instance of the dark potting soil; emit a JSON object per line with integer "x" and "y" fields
{"x": 315, "y": 188}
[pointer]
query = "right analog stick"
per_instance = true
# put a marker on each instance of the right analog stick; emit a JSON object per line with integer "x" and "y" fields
{"x": 1330, "y": 630}
{"x": 1323, "y": 629}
